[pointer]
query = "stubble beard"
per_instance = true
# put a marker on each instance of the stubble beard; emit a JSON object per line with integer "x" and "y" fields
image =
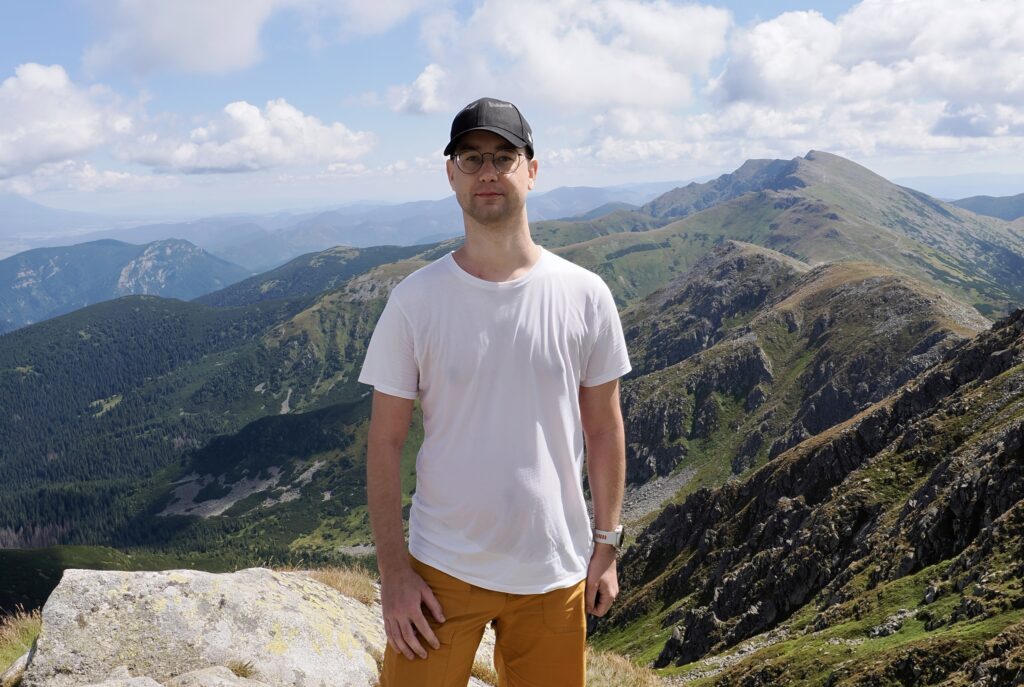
{"x": 496, "y": 215}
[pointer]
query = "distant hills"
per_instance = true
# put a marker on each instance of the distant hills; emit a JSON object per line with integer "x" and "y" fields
{"x": 45, "y": 282}
{"x": 20, "y": 215}
{"x": 1005, "y": 207}
{"x": 261, "y": 242}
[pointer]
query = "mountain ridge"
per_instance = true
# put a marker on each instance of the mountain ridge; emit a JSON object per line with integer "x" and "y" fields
{"x": 42, "y": 283}
{"x": 828, "y": 209}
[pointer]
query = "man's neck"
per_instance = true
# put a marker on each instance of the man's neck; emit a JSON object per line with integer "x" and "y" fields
{"x": 498, "y": 253}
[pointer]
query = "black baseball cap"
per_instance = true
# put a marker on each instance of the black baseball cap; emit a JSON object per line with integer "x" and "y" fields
{"x": 497, "y": 116}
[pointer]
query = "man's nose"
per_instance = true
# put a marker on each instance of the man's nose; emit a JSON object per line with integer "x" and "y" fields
{"x": 488, "y": 168}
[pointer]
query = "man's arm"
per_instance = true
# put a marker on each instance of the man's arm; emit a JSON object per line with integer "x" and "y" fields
{"x": 402, "y": 591}
{"x": 606, "y": 473}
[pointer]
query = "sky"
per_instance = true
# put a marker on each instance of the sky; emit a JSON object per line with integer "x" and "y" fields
{"x": 218, "y": 106}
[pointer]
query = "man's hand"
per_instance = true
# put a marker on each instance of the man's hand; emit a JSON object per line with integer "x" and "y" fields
{"x": 403, "y": 595}
{"x": 602, "y": 580}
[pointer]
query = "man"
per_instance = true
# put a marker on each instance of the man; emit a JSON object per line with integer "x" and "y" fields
{"x": 515, "y": 355}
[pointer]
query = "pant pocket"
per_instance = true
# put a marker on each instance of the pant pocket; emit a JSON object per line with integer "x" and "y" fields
{"x": 564, "y": 609}
{"x": 453, "y": 595}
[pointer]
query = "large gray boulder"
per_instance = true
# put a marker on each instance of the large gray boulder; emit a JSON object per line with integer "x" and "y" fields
{"x": 293, "y": 630}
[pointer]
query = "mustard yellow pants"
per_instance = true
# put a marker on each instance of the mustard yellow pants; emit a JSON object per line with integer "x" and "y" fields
{"x": 540, "y": 639}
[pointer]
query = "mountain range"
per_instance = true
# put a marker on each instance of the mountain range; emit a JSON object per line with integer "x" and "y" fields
{"x": 45, "y": 282}
{"x": 261, "y": 242}
{"x": 823, "y": 424}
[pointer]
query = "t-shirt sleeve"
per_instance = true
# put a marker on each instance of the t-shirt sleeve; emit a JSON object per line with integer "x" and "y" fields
{"x": 390, "y": 364}
{"x": 608, "y": 357}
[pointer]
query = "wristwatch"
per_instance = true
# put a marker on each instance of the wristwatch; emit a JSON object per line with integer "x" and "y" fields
{"x": 614, "y": 537}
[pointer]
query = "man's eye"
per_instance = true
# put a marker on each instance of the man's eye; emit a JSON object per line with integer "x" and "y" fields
{"x": 471, "y": 158}
{"x": 505, "y": 158}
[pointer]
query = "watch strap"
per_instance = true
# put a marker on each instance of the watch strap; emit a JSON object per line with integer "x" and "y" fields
{"x": 613, "y": 537}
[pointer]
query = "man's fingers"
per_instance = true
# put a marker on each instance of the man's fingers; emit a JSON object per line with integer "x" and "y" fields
{"x": 405, "y": 624}
{"x": 590, "y": 592}
{"x": 423, "y": 627}
{"x": 434, "y": 605}
{"x": 394, "y": 635}
{"x": 411, "y": 641}
{"x": 603, "y": 603}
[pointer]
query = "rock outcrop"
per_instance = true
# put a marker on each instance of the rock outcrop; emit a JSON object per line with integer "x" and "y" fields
{"x": 183, "y": 628}
{"x": 753, "y": 352}
{"x": 930, "y": 479}
{"x": 691, "y": 313}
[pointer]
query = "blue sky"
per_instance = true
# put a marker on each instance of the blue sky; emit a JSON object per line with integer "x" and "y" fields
{"x": 203, "y": 106}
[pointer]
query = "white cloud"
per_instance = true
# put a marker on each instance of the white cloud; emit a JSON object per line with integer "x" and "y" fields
{"x": 221, "y": 36}
{"x": 912, "y": 50}
{"x": 48, "y": 125}
{"x": 77, "y": 175}
{"x": 787, "y": 58}
{"x": 212, "y": 36}
{"x": 46, "y": 118}
{"x": 577, "y": 54}
{"x": 349, "y": 170}
{"x": 422, "y": 97}
{"x": 246, "y": 138}
{"x": 980, "y": 121}
{"x": 914, "y": 77}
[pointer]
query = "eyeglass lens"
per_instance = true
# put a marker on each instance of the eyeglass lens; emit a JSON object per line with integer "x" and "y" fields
{"x": 505, "y": 161}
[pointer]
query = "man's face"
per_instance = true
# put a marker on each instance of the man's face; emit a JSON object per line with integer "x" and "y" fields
{"x": 488, "y": 196}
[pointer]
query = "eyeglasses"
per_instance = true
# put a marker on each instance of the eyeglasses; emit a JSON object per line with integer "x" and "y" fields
{"x": 505, "y": 161}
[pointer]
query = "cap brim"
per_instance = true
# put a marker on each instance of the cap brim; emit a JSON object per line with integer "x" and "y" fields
{"x": 505, "y": 134}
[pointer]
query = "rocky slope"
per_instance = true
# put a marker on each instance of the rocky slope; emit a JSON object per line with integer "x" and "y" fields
{"x": 886, "y": 550}
{"x": 753, "y": 352}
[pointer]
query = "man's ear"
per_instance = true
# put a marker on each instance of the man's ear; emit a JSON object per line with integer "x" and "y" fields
{"x": 531, "y": 168}
{"x": 449, "y": 167}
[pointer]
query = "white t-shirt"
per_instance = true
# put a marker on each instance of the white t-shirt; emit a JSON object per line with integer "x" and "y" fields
{"x": 497, "y": 367}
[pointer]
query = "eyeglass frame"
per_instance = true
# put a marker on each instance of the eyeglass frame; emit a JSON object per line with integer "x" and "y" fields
{"x": 519, "y": 160}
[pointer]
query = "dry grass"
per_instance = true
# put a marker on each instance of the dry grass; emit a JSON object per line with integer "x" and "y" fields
{"x": 355, "y": 582}
{"x": 483, "y": 670}
{"x": 242, "y": 668}
{"x": 17, "y": 632}
{"x": 605, "y": 669}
